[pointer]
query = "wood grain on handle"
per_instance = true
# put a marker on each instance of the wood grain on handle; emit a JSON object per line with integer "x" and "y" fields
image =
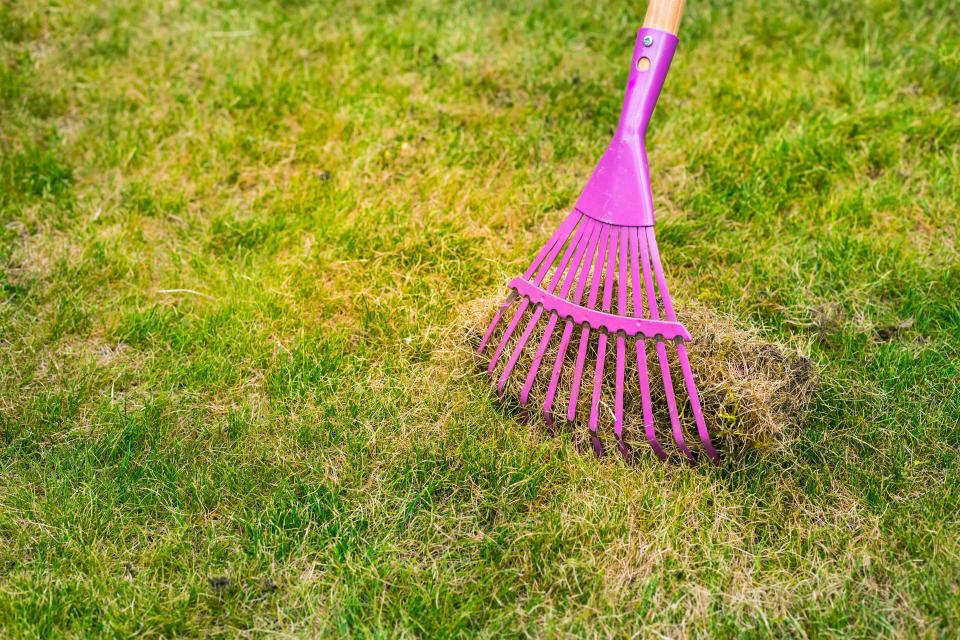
{"x": 664, "y": 15}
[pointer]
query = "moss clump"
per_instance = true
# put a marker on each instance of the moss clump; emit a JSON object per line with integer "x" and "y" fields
{"x": 754, "y": 393}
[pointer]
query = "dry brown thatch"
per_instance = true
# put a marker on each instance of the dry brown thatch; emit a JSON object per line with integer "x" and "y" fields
{"x": 754, "y": 393}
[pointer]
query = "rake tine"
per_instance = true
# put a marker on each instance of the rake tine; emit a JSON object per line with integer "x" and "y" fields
{"x": 585, "y": 333}
{"x": 541, "y": 273}
{"x": 662, "y": 350}
{"x": 688, "y": 380}
{"x": 555, "y": 374}
{"x": 642, "y": 373}
{"x": 695, "y": 403}
{"x": 538, "y": 356}
{"x": 621, "y": 346}
{"x": 559, "y": 235}
{"x": 602, "y": 343}
{"x": 496, "y": 320}
{"x": 585, "y": 275}
{"x": 580, "y": 261}
{"x": 575, "y": 245}
{"x": 558, "y": 238}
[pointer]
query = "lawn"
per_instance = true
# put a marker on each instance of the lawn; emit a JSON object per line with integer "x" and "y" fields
{"x": 235, "y": 242}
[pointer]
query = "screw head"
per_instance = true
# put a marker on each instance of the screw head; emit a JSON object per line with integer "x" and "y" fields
{"x": 647, "y": 41}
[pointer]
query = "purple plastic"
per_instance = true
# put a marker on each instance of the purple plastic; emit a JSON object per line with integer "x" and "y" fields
{"x": 645, "y": 250}
{"x": 527, "y": 289}
{"x": 643, "y": 376}
{"x": 585, "y": 332}
{"x": 540, "y": 267}
{"x": 607, "y": 245}
{"x": 610, "y": 323}
{"x": 619, "y": 189}
{"x": 538, "y": 311}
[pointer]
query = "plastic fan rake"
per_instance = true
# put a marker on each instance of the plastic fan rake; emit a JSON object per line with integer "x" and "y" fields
{"x": 598, "y": 286}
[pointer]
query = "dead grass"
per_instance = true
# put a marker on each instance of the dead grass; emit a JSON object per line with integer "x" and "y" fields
{"x": 754, "y": 393}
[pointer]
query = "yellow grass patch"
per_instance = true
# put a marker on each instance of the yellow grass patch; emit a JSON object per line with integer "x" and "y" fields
{"x": 754, "y": 393}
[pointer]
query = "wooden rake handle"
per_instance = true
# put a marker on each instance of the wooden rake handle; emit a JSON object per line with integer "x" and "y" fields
{"x": 664, "y": 15}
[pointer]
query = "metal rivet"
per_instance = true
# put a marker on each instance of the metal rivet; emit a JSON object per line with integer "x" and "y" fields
{"x": 647, "y": 41}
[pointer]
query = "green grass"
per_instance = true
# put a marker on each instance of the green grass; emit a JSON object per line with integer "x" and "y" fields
{"x": 286, "y": 447}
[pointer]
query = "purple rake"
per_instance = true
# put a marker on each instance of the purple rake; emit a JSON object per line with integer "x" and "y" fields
{"x": 606, "y": 251}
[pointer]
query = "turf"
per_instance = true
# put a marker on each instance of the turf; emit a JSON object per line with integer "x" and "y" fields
{"x": 234, "y": 236}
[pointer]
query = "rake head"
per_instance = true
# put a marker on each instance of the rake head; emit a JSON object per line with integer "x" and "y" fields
{"x": 596, "y": 292}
